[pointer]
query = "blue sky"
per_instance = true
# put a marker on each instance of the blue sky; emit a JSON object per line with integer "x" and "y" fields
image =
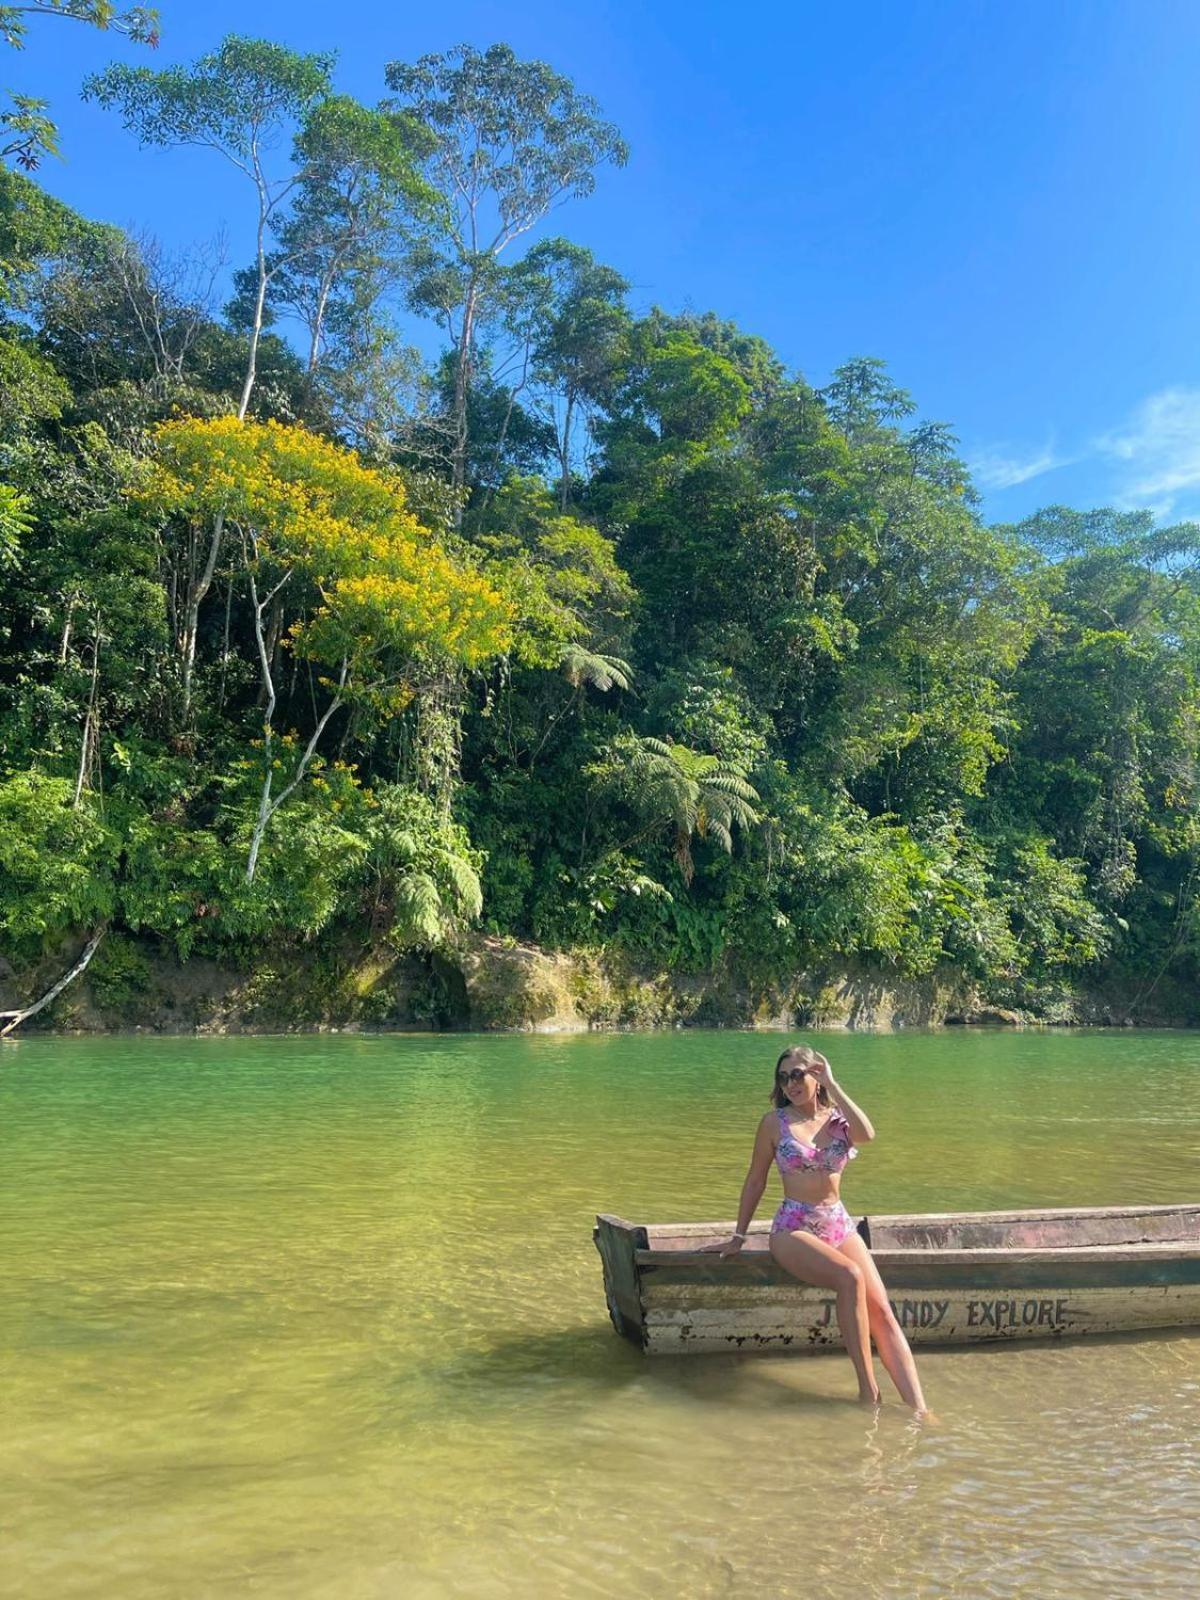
{"x": 1001, "y": 198}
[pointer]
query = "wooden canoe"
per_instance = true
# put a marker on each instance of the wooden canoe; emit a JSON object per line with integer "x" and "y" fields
{"x": 953, "y": 1278}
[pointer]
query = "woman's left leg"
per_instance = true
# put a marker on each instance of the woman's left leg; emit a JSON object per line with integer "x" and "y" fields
{"x": 893, "y": 1347}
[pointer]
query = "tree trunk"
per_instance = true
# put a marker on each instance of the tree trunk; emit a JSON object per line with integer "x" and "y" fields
{"x": 23, "y": 1014}
{"x": 90, "y": 722}
{"x": 197, "y": 589}
{"x": 260, "y": 299}
{"x": 268, "y": 691}
{"x": 503, "y": 439}
{"x": 225, "y": 644}
{"x": 317, "y": 327}
{"x": 268, "y": 807}
{"x": 255, "y": 334}
{"x": 273, "y": 627}
{"x": 65, "y": 643}
{"x": 564, "y": 456}
{"x": 462, "y": 381}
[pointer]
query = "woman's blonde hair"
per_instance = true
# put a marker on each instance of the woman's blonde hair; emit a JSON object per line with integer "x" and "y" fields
{"x": 800, "y": 1055}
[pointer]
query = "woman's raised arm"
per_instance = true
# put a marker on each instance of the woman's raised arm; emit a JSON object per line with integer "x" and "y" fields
{"x": 862, "y": 1129}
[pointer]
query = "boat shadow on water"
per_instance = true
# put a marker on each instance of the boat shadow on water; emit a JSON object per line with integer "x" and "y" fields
{"x": 587, "y": 1363}
{"x": 571, "y": 1366}
{"x": 577, "y": 1375}
{"x": 583, "y": 1363}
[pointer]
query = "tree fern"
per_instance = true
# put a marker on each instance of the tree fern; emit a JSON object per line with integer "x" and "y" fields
{"x": 423, "y": 876}
{"x": 693, "y": 793}
{"x": 589, "y": 666}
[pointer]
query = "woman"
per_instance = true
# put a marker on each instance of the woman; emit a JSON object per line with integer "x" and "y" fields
{"x": 811, "y": 1133}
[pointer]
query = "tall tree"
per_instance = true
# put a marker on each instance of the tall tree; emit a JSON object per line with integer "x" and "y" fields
{"x": 337, "y": 568}
{"x": 242, "y": 101}
{"x": 357, "y": 197}
{"x": 514, "y": 138}
{"x": 568, "y": 314}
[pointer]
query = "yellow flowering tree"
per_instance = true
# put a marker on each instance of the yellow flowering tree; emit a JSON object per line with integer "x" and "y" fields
{"x": 336, "y": 569}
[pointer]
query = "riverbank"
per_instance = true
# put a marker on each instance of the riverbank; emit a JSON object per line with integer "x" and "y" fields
{"x": 503, "y": 985}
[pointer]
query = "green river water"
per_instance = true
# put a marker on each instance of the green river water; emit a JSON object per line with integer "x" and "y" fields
{"x": 320, "y": 1318}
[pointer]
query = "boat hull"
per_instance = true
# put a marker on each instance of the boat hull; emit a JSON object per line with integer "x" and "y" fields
{"x": 670, "y": 1297}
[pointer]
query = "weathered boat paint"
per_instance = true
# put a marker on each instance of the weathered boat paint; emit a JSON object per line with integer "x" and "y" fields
{"x": 960, "y": 1278}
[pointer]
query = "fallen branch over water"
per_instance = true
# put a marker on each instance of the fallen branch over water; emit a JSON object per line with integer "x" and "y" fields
{"x": 22, "y": 1015}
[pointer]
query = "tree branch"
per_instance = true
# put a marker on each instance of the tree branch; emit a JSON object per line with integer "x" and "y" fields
{"x": 22, "y": 1015}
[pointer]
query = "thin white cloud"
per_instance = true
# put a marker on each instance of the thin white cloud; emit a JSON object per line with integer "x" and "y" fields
{"x": 1159, "y": 449}
{"x": 994, "y": 469}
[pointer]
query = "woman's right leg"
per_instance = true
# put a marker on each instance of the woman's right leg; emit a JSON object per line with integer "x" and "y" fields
{"x": 813, "y": 1261}
{"x": 889, "y": 1338}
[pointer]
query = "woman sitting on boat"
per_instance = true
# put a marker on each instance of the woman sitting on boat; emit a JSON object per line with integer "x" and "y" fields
{"x": 811, "y": 1133}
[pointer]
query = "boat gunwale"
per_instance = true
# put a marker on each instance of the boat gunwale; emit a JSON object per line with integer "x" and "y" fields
{"x": 1184, "y": 1246}
{"x": 916, "y": 1218}
{"x": 1002, "y": 1255}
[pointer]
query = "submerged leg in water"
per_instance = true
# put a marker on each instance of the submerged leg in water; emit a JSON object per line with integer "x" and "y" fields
{"x": 814, "y": 1261}
{"x": 893, "y": 1347}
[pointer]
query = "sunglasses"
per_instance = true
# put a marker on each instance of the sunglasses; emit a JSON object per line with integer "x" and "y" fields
{"x": 796, "y": 1075}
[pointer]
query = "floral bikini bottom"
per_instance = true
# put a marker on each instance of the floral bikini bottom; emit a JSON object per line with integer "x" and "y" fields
{"x": 829, "y": 1220}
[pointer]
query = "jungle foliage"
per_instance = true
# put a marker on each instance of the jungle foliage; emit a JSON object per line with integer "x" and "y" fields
{"x": 605, "y": 629}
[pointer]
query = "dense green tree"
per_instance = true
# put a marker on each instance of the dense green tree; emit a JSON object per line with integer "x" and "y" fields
{"x": 34, "y": 227}
{"x": 1108, "y": 698}
{"x": 621, "y": 636}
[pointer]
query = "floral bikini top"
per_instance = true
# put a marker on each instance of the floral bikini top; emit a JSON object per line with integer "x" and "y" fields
{"x": 793, "y": 1156}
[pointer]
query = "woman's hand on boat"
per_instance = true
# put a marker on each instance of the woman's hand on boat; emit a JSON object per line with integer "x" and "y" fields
{"x": 730, "y": 1247}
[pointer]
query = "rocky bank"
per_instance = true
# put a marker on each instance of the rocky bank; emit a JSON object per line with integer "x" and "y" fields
{"x": 502, "y": 984}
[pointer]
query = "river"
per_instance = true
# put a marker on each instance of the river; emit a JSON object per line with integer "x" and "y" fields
{"x": 320, "y": 1318}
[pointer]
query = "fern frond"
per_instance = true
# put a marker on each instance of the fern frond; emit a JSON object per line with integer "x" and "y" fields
{"x": 731, "y": 783}
{"x": 418, "y": 910}
{"x": 588, "y": 666}
{"x": 466, "y": 883}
